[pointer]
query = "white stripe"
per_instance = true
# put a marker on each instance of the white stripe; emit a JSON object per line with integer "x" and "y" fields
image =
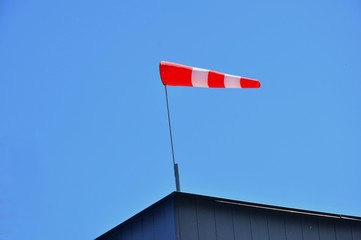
{"x": 231, "y": 81}
{"x": 200, "y": 77}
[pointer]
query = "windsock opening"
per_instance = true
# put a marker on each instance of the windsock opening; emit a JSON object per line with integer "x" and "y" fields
{"x": 173, "y": 74}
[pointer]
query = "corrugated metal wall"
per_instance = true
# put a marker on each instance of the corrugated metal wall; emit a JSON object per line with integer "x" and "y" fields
{"x": 182, "y": 216}
{"x": 156, "y": 224}
{"x": 206, "y": 219}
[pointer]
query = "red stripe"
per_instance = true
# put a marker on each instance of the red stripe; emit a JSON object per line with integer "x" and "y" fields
{"x": 215, "y": 79}
{"x": 250, "y": 83}
{"x": 175, "y": 74}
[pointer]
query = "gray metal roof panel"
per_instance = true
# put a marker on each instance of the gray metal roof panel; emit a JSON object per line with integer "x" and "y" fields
{"x": 256, "y": 206}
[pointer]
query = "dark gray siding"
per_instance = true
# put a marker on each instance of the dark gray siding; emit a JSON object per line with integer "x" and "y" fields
{"x": 356, "y": 232}
{"x": 187, "y": 222}
{"x": 242, "y": 224}
{"x": 293, "y": 228}
{"x": 326, "y": 230}
{"x": 210, "y": 219}
{"x": 343, "y": 231}
{"x": 206, "y": 223}
{"x": 155, "y": 224}
{"x": 182, "y": 216}
{"x": 276, "y": 226}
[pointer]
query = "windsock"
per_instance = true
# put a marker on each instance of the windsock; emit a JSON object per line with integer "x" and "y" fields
{"x": 173, "y": 74}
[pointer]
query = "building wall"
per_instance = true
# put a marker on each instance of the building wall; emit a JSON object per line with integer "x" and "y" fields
{"x": 207, "y": 219}
{"x": 182, "y": 216}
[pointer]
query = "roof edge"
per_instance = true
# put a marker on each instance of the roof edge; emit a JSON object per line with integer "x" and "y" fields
{"x": 232, "y": 202}
{"x": 271, "y": 207}
{"x": 147, "y": 209}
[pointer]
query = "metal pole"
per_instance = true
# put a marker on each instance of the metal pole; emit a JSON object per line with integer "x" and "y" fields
{"x": 176, "y": 175}
{"x": 176, "y": 170}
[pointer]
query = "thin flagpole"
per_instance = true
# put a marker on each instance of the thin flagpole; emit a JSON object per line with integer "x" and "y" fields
{"x": 176, "y": 171}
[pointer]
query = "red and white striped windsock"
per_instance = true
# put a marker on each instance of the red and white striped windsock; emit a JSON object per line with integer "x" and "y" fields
{"x": 173, "y": 74}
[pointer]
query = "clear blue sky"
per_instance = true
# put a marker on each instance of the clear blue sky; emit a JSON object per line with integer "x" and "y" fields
{"x": 84, "y": 140}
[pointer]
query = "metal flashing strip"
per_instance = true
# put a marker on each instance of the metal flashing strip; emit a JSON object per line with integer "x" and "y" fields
{"x": 350, "y": 218}
{"x": 290, "y": 210}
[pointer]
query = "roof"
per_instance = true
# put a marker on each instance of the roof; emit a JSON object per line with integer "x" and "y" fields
{"x": 176, "y": 199}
